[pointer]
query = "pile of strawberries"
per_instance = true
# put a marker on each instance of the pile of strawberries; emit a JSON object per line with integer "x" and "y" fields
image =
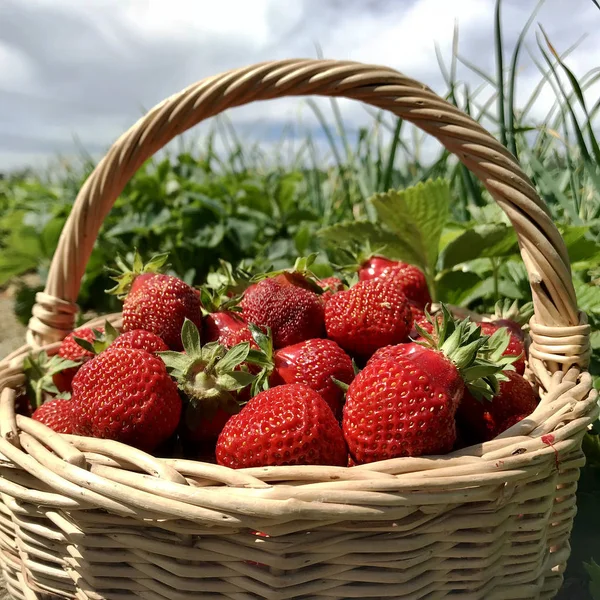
{"x": 285, "y": 369}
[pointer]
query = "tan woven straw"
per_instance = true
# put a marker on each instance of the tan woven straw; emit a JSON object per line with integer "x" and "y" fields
{"x": 90, "y": 519}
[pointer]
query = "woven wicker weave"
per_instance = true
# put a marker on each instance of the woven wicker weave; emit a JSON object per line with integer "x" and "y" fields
{"x": 87, "y": 518}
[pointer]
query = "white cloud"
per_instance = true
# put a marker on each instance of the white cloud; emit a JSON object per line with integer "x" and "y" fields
{"x": 87, "y": 69}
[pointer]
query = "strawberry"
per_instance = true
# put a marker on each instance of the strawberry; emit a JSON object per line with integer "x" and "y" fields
{"x": 140, "y": 339}
{"x": 222, "y": 325}
{"x": 419, "y": 317}
{"x": 482, "y": 420}
{"x": 330, "y": 285}
{"x": 109, "y": 337}
{"x": 56, "y": 414}
{"x": 159, "y": 304}
{"x": 70, "y": 349}
{"x": 403, "y": 403}
{"x": 211, "y": 378}
{"x": 512, "y": 316}
{"x": 292, "y": 313}
{"x": 508, "y": 423}
{"x": 374, "y": 267}
{"x": 126, "y": 395}
{"x": 409, "y": 278}
{"x": 368, "y": 316}
{"x": 286, "y": 425}
{"x": 516, "y": 347}
{"x": 316, "y": 363}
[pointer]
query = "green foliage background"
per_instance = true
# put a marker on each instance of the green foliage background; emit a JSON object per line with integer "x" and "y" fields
{"x": 201, "y": 205}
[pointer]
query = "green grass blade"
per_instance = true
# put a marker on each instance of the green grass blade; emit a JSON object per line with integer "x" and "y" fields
{"x": 512, "y": 83}
{"x": 389, "y": 167}
{"x": 579, "y": 95}
{"x": 578, "y": 133}
{"x": 500, "y": 71}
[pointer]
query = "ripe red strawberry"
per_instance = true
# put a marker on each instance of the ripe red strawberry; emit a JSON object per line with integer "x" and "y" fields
{"x": 331, "y": 285}
{"x": 161, "y": 306}
{"x": 419, "y": 318}
{"x": 368, "y": 316}
{"x": 404, "y": 401}
{"x": 508, "y": 423}
{"x": 140, "y": 339}
{"x": 434, "y": 362}
{"x": 126, "y": 395}
{"x": 395, "y": 408}
{"x": 221, "y": 325}
{"x": 482, "y": 420}
{"x": 286, "y": 425}
{"x": 409, "y": 278}
{"x": 374, "y": 267}
{"x": 316, "y": 363}
{"x": 293, "y": 313}
{"x": 516, "y": 346}
{"x": 511, "y": 315}
{"x": 212, "y": 378}
{"x": 56, "y": 414}
{"x": 71, "y": 350}
{"x": 158, "y": 303}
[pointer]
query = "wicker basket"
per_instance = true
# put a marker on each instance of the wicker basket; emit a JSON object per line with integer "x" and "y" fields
{"x": 90, "y": 519}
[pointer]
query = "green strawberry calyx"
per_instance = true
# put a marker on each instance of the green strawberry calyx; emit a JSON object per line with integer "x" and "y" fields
{"x": 125, "y": 274}
{"x": 38, "y": 371}
{"x": 505, "y": 309}
{"x": 216, "y": 300}
{"x": 208, "y": 375}
{"x": 101, "y": 340}
{"x": 479, "y": 358}
{"x": 263, "y": 357}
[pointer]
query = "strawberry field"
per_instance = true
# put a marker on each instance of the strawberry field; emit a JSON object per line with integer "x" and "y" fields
{"x": 336, "y": 199}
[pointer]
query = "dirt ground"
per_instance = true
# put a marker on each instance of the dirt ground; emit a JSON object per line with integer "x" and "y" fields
{"x": 12, "y": 333}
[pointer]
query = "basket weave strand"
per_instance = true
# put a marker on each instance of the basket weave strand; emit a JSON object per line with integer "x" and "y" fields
{"x": 92, "y": 519}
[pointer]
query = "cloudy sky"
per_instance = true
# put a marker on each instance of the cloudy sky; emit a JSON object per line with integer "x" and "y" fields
{"x": 79, "y": 72}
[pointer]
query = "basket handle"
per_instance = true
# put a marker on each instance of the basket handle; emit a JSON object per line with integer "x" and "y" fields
{"x": 542, "y": 248}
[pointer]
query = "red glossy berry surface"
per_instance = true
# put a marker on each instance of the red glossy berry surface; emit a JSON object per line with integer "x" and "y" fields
{"x": 71, "y": 350}
{"x": 140, "y": 339}
{"x": 128, "y": 396}
{"x": 483, "y": 420}
{"x": 161, "y": 306}
{"x": 293, "y": 313}
{"x": 286, "y": 425}
{"x": 395, "y": 408}
{"x": 368, "y": 316}
{"x": 315, "y": 363}
{"x": 57, "y": 415}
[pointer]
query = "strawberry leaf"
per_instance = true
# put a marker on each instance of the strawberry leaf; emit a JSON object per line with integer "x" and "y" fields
{"x": 362, "y": 233}
{"x": 417, "y": 217}
{"x": 481, "y": 241}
